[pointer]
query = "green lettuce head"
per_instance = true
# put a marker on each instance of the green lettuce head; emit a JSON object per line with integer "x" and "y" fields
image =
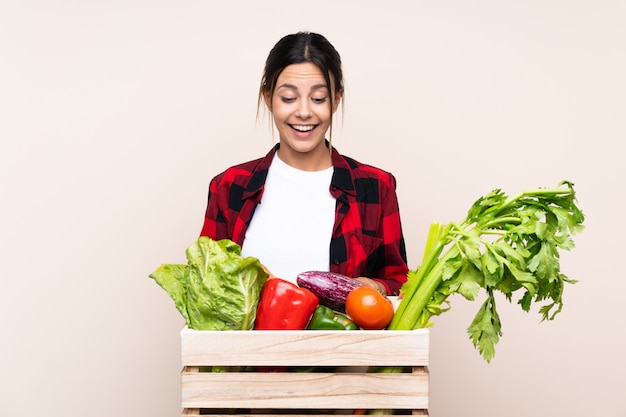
{"x": 218, "y": 289}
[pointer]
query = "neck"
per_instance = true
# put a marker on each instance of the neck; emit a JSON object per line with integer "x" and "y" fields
{"x": 316, "y": 160}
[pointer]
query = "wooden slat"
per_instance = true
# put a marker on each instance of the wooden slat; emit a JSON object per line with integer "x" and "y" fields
{"x": 305, "y": 348}
{"x": 231, "y": 413}
{"x": 305, "y": 390}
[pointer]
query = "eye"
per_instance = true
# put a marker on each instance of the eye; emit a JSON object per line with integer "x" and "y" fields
{"x": 287, "y": 99}
{"x": 319, "y": 100}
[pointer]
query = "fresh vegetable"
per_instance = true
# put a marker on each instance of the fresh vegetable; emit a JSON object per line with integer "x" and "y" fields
{"x": 505, "y": 244}
{"x": 331, "y": 288}
{"x": 325, "y": 318}
{"x": 217, "y": 289}
{"x": 345, "y": 321}
{"x": 284, "y": 306}
{"x": 368, "y": 308}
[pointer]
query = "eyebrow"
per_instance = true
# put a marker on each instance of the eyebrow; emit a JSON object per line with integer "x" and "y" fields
{"x": 293, "y": 87}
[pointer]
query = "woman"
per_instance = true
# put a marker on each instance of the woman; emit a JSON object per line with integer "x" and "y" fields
{"x": 304, "y": 206}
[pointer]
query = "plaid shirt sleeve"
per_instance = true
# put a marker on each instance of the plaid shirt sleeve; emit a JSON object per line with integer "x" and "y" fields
{"x": 367, "y": 240}
{"x": 233, "y": 196}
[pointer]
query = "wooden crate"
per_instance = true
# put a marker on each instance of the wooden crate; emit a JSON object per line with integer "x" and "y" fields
{"x": 341, "y": 382}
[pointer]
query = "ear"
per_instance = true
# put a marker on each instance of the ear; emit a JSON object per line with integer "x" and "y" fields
{"x": 267, "y": 98}
{"x": 337, "y": 100}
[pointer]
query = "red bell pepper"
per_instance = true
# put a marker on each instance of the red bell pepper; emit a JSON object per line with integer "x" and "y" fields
{"x": 284, "y": 306}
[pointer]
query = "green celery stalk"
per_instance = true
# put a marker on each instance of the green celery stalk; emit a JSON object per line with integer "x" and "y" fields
{"x": 505, "y": 244}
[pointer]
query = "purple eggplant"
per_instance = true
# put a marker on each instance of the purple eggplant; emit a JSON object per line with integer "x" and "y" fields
{"x": 331, "y": 288}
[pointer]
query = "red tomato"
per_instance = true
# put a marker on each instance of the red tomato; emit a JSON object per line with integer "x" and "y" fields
{"x": 368, "y": 308}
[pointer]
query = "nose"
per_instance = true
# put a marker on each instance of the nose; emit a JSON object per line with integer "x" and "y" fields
{"x": 304, "y": 109}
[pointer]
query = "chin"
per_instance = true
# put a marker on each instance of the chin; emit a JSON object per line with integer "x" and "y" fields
{"x": 306, "y": 148}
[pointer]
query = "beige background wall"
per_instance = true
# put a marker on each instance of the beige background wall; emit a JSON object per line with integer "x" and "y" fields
{"x": 115, "y": 115}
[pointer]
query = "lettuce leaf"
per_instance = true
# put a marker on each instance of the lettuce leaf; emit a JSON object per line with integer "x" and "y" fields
{"x": 218, "y": 289}
{"x": 173, "y": 279}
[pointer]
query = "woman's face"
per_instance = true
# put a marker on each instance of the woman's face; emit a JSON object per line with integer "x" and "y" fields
{"x": 300, "y": 106}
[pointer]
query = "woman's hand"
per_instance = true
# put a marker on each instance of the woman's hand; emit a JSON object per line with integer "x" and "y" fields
{"x": 378, "y": 286}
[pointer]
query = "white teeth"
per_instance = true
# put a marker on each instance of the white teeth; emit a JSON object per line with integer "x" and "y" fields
{"x": 303, "y": 128}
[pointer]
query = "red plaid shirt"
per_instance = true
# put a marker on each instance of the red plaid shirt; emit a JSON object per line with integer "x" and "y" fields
{"x": 367, "y": 238}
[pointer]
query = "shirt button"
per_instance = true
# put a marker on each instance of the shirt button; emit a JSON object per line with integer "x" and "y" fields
{"x": 336, "y": 262}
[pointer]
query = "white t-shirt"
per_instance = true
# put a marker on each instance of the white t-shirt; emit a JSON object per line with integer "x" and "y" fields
{"x": 292, "y": 226}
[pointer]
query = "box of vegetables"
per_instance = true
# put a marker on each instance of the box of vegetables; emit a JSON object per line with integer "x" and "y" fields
{"x": 327, "y": 344}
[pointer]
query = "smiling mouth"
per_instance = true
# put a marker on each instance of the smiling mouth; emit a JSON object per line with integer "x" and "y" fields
{"x": 303, "y": 128}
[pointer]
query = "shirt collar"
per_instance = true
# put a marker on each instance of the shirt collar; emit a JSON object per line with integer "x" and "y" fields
{"x": 341, "y": 179}
{"x": 259, "y": 174}
{"x": 342, "y": 174}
